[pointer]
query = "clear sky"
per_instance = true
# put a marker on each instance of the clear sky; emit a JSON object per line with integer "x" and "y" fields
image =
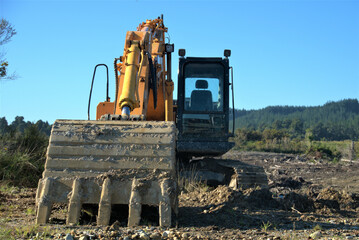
{"x": 283, "y": 52}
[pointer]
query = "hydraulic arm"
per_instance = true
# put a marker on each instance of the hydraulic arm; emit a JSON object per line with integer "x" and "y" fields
{"x": 143, "y": 90}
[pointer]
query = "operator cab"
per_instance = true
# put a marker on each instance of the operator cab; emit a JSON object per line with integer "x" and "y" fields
{"x": 203, "y": 106}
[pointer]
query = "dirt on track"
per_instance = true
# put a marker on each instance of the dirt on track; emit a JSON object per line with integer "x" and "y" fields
{"x": 306, "y": 198}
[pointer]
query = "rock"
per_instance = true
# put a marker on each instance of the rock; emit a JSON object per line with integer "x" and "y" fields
{"x": 58, "y": 235}
{"x": 113, "y": 234}
{"x": 69, "y": 237}
{"x": 127, "y": 238}
{"x": 185, "y": 235}
{"x": 144, "y": 236}
{"x": 15, "y": 191}
{"x": 155, "y": 236}
{"x": 166, "y": 234}
{"x": 316, "y": 235}
{"x": 92, "y": 236}
{"x": 150, "y": 228}
{"x": 115, "y": 226}
{"x": 349, "y": 237}
{"x": 135, "y": 236}
{"x": 84, "y": 237}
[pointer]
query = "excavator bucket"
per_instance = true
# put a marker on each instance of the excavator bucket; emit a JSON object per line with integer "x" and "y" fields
{"x": 108, "y": 163}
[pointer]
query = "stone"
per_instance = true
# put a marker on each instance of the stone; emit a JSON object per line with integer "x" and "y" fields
{"x": 155, "y": 236}
{"x": 185, "y": 235}
{"x": 84, "y": 237}
{"x": 113, "y": 234}
{"x": 316, "y": 235}
{"x": 144, "y": 236}
{"x": 134, "y": 236}
{"x": 166, "y": 234}
{"x": 115, "y": 226}
{"x": 92, "y": 236}
{"x": 15, "y": 191}
{"x": 69, "y": 237}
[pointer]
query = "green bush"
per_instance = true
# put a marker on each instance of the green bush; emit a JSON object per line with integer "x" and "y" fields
{"x": 280, "y": 141}
{"x": 323, "y": 150}
{"x": 22, "y": 156}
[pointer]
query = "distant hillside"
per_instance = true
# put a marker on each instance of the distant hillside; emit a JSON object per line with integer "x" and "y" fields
{"x": 332, "y": 121}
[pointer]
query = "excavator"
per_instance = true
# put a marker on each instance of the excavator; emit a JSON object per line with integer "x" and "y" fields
{"x": 129, "y": 154}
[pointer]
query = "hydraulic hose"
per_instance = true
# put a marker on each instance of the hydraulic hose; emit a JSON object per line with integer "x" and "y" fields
{"x": 153, "y": 79}
{"x": 117, "y": 80}
{"x": 93, "y": 78}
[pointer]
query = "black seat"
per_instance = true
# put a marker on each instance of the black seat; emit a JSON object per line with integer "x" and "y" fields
{"x": 201, "y": 100}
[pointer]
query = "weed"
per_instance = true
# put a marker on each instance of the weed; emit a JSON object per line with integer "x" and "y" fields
{"x": 63, "y": 210}
{"x": 7, "y": 189}
{"x": 317, "y": 227}
{"x": 30, "y": 211}
{"x": 5, "y": 220}
{"x": 188, "y": 181}
{"x": 12, "y": 207}
{"x": 5, "y": 233}
{"x": 265, "y": 226}
{"x": 23, "y": 232}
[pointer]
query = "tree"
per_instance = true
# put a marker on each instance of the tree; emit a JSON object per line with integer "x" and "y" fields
{"x": 3, "y": 125}
{"x": 19, "y": 124}
{"x": 7, "y": 31}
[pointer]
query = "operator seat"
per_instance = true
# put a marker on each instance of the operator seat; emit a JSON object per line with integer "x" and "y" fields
{"x": 201, "y": 100}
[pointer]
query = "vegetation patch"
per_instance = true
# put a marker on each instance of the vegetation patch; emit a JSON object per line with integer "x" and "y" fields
{"x": 22, "y": 151}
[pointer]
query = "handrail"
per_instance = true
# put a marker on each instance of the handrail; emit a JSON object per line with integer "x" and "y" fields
{"x": 233, "y": 108}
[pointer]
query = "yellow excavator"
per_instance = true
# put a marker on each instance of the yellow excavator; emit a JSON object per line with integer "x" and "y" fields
{"x": 128, "y": 154}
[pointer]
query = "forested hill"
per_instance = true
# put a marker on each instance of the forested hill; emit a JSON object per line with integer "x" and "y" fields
{"x": 332, "y": 121}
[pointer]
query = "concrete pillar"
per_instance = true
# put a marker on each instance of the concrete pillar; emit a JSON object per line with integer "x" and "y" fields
{"x": 104, "y": 210}
{"x": 165, "y": 205}
{"x": 75, "y": 204}
{"x": 134, "y": 211}
{"x": 45, "y": 202}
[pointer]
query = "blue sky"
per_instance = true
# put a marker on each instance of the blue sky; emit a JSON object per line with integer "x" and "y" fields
{"x": 283, "y": 52}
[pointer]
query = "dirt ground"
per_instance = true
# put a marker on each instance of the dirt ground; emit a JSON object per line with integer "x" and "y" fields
{"x": 306, "y": 198}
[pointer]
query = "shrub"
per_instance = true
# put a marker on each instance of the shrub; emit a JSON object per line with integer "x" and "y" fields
{"x": 22, "y": 156}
